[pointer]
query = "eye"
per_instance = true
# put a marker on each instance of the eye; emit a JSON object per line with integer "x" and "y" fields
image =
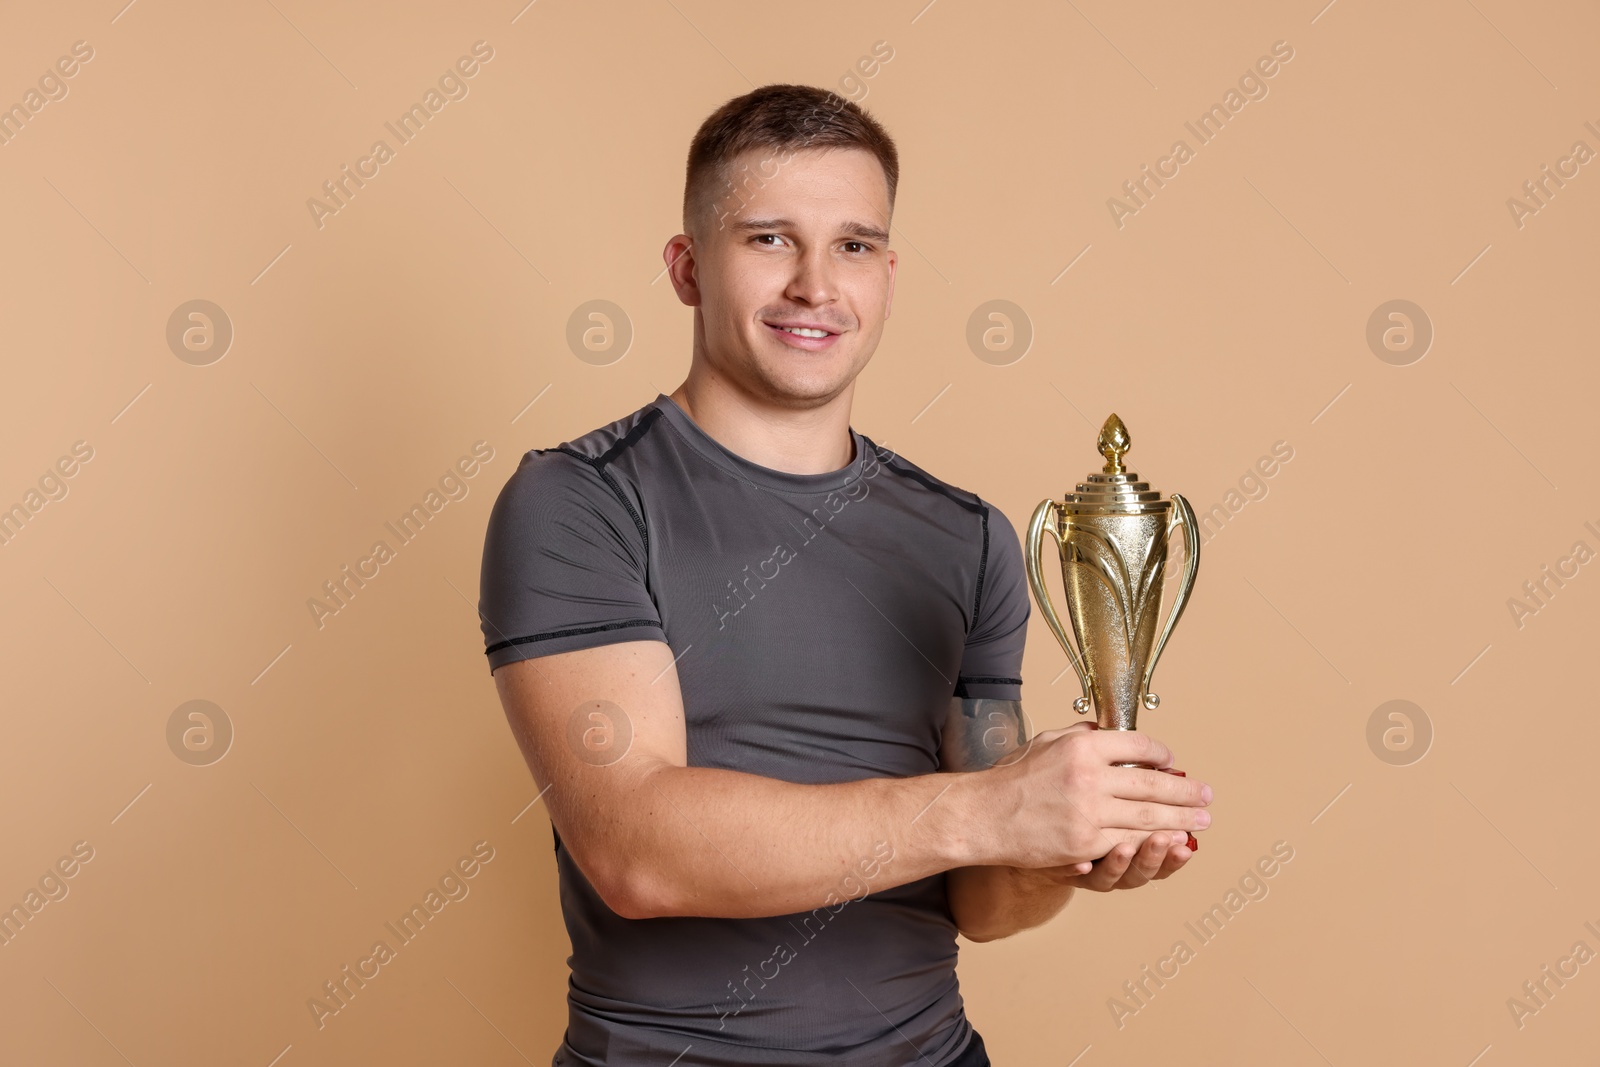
{"x": 860, "y": 244}
{"x": 761, "y": 236}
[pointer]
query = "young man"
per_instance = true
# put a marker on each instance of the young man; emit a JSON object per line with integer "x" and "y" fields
{"x": 767, "y": 672}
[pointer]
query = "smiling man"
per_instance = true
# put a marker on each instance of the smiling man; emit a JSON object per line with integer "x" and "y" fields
{"x": 766, "y": 673}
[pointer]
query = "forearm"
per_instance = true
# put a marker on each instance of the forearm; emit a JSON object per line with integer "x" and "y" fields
{"x": 990, "y": 902}
{"x": 718, "y": 843}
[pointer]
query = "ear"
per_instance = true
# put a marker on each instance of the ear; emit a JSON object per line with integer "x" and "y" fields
{"x": 679, "y": 257}
{"x": 888, "y": 303}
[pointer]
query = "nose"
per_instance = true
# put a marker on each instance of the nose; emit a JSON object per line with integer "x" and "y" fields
{"x": 813, "y": 283}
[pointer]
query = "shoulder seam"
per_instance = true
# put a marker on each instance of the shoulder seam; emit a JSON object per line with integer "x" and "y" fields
{"x": 598, "y": 463}
{"x": 646, "y": 420}
{"x": 976, "y": 504}
{"x": 937, "y": 487}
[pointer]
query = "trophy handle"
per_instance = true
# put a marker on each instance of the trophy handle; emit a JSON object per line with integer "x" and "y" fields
{"x": 1045, "y": 518}
{"x": 1183, "y": 515}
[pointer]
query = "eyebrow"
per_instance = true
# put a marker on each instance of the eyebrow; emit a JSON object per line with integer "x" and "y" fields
{"x": 849, "y": 229}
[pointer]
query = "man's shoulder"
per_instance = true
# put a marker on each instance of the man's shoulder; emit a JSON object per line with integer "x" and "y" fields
{"x": 919, "y": 479}
{"x": 603, "y": 444}
{"x": 981, "y": 526}
{"x": 583, "y": 470}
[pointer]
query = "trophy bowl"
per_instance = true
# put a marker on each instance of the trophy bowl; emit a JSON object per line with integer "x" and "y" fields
{"x": 1111, "y": 537}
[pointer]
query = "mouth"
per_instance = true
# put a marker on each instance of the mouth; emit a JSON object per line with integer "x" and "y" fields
{"x": 812, "y": 337}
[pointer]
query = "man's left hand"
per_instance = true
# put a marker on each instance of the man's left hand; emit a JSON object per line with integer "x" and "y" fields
{"x": 1125, "y": 867}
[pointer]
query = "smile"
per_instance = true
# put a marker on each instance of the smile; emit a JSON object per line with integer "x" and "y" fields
{"x": 810, "y": 338}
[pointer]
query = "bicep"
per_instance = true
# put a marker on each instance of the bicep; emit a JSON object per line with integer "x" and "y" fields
{"x": 592, "y": 724}
{"x": 981, "y": 732}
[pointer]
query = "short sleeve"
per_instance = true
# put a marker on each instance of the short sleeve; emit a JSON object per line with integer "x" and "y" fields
{"x": 991, "y": 663}
{"x": 564, "y": 564}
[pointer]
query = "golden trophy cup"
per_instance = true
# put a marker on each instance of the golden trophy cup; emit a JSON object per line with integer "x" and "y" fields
{"x": 1111, "y": 537}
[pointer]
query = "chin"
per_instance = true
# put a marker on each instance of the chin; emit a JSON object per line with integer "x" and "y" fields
{"x": 789, "y": 376}
{"x": 785, "y": 384}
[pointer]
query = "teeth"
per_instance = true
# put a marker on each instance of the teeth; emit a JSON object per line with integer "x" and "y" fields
{"x": 803, "y": 332}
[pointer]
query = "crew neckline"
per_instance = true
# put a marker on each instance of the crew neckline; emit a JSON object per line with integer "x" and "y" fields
{"x": 767, "y": 477}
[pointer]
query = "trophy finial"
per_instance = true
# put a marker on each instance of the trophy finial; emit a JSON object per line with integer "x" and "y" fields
{"x": 1113, "y": 443}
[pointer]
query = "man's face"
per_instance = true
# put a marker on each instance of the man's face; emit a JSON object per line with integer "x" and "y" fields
{"x": 803, "y": 243}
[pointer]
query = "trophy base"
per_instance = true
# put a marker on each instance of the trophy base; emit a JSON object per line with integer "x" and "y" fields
{"x": 1146, "y": 766}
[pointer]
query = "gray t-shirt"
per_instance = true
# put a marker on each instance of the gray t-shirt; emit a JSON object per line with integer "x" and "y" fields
{"x": 822, "y": 623}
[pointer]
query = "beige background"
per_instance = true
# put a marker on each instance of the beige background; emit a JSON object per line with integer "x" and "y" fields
{"x": 368, "y": 355}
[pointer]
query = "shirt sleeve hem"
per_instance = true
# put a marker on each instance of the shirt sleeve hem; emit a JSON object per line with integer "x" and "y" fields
{"x": 573, "y": 639}
{"x": 988, "y": 688}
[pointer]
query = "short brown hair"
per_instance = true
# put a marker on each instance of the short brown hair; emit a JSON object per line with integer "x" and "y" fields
{"x": 778, "y": 117}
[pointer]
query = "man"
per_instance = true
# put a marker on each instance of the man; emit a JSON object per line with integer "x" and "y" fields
{"x": 767, "y": 672}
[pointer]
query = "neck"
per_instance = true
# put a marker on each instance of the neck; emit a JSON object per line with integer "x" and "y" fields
{"x": 797, "y": 440}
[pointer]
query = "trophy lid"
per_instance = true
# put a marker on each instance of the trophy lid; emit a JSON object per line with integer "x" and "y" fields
{"x": 1115, "y": 490}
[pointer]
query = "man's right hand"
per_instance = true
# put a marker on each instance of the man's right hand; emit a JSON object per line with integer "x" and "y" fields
{"x": 1062, "y": 800}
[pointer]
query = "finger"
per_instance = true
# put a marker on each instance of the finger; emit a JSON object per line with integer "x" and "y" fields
{"x": 1144, "y": 862}
{"x": 1205, "y": 790}
{"x": 1155, "y": 851}
{"x": 1177, "y": 855}
{"x": 1098, "y": 881}
{"x": 1069, "y": 875}
{"x": 1110, "y": 868}
{"x": 1131, "y": 746}
{"x": 1115, "y": 837}
{"x": 1147, "y": 816}
{"x": 1139, "y": 783}
{"x": 1074, "y": 875}
{"x": 1147, "y": 862}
